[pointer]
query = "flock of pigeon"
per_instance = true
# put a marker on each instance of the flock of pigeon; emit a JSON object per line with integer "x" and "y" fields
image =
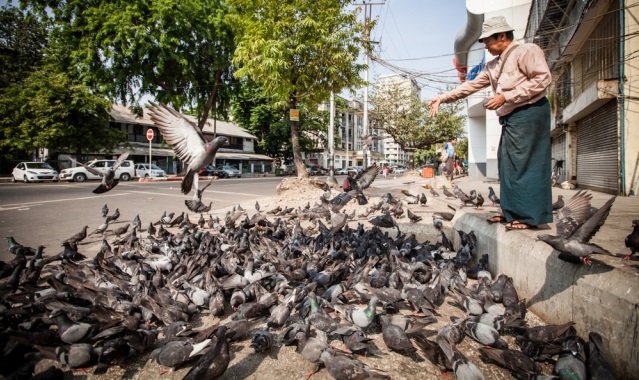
{"x": 281, "y": 283}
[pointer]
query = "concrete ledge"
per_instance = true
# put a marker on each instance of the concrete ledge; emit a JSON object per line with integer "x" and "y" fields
{"x": 602, "y": 297}
{"x": 154, "y": 179}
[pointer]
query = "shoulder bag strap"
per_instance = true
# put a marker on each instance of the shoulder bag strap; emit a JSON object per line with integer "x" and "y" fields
{"x": 496, "y": 81}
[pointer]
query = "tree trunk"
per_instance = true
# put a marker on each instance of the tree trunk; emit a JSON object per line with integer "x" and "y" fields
{"x": 295, "y": 142}
{"x": 211, "y": 99}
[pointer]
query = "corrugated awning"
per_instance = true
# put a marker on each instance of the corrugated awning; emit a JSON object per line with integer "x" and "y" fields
{"x": 242, "y": 156}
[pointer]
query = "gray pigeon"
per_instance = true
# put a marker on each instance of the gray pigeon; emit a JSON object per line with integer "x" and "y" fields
{"x": 576, "y": 225}
{"x": 188, "y": 142}
{"x": 108, "y": 178}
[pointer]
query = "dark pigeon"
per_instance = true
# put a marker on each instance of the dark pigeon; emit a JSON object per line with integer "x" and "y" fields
{"x": 632, "y": 240}
{"x": 108, "y": 178}
{"x": 492, "y": 196}
{"x": 576, "y": 226}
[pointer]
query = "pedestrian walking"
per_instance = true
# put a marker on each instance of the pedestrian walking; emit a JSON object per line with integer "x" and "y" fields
{"x": 449, "y": 149}
{"x": 518, "y": 78}
{"x": 385, "y": 171}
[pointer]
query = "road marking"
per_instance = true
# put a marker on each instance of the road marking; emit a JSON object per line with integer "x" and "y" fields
{"x": 208, "y": 192}
{"x": 59, "y": 200}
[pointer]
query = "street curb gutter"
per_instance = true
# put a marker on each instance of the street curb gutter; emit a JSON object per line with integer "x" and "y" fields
{"x": 601, "y": 297}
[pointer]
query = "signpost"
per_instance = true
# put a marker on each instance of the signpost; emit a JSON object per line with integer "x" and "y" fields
{"x": 149, "y": 136}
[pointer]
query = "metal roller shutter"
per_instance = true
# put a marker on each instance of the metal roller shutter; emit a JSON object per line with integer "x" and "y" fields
{"x": 559, "y": 153}
{"x": 597, "y": 150}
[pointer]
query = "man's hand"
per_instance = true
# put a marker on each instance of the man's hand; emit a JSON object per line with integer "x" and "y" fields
{"x": 434, "y": 106}
{"x": 496, "y": 102}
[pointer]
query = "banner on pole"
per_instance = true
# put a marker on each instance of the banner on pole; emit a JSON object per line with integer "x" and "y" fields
{"x": 295, "y": 115}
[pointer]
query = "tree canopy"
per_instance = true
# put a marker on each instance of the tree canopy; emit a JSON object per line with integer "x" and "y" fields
{"x": 267, "y": 120}
{"x": 398, "y": 111}
{"x": 298, "y": 51}
{"x": 177, "y": 51}
{"x": 49, "y": 110}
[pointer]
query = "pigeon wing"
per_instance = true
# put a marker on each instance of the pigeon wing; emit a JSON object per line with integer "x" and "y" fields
{"x": 119, "y": 161}
{"x": 366, "y": 177}
{"x": 573, "y": 214}
{"x": 187, "y": 140}
{"x": 589, "y": 228}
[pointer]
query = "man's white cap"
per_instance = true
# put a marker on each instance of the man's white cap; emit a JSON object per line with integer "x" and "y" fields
{"x": 494, "y": 25}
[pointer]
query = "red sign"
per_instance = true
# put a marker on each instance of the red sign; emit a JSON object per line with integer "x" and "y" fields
{"x": 149, "y": 134}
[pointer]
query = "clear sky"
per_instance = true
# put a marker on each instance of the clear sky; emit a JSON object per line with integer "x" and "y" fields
{"x": 418, "y": 36}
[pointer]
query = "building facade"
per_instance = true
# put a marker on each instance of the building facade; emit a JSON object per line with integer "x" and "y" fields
{"x": 240, "y": 154}
{"x": 589, "y": 50}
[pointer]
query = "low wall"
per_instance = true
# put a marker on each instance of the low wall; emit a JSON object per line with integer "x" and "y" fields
{"x": 602, "y": 297}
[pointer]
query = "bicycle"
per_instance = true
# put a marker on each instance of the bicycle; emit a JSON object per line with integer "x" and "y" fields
{"x": 556, "y": 171}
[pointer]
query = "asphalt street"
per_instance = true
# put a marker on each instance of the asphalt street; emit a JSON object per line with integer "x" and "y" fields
{"x": 48, "y": 213}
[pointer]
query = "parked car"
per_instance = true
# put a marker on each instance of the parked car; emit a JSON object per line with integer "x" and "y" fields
{"x": 124, "y": 172}
{"x": 355, "y": 169}
{"x": 231, "y": 171}
{"x": 142, "y": 171}
{"x": 212, "y": 171}
{"x": 34, "y": 171}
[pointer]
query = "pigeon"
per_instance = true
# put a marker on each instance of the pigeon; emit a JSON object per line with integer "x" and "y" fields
{"x": 363, "y": 179}
{"x": 367, "y": 140}
{"x": 105, "y": 210}
{"x": 559, "y": 204}
{"x": 464, "y": 368}
{"x": 114, "y": 217}
{"x": 137, "y": 223}
{"x": 478, "y": 202}
{"x": 434, "y": 192}
{"x": 262, "y": 340}
{"x": 195, "y": 204}
{"x": 448, "y": 194}
{"x": 359, "y": 316}
{"x": 571, "y": 363}
{"x": 187, "y": 141}
{"x": 384, "y": 221}
{"x": 513, "y": 360}
{"x": 412, "y": 217}
{"x": 344, "y": 368}
{"x": 632, "y": 240}
{"x": 101, "y": 229}
{"x": 492, "y": 196}
{"x": 215, "y": 361}
{"x": 69, "y": 331}
{"x": 108, "y": 178}
{"x": 598, "y": 365}
{"x": 354, "y": 338}
{"x": 176, "y": 352}
{"x": 576, "y": 226}
{"x": 448, "y": 216}
{"x": 395, "y": 337}
{"x": 16, "y": 248}
{"x": 423, "y": 200}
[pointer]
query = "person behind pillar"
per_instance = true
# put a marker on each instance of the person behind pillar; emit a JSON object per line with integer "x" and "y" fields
{"x": 449, "y": 147}
{"x": 519, "y": 99}
{"x": 346, "y": 185}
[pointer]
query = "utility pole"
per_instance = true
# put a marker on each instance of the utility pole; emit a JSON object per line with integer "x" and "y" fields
{"x": 368, "y": 7}
{"x": 331, "y": 144}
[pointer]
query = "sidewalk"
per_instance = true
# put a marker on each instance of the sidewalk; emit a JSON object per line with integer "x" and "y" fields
{"x": 602, "y": 297}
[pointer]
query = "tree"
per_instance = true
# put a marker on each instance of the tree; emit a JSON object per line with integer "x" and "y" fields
{"x": 177, "y": 51}
{"x": 298, "y": 51}
{"x": 255, "y": 111}
{"x": 404, "y": 117}
{"x": 22, "y": 39}
{"x": 49, "y": 110}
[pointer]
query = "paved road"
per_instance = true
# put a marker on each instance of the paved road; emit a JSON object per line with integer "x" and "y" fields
{"x": 48, "y": 213}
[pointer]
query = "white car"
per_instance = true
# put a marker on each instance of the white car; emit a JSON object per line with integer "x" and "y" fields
{"x": 349, "y": 169}
{"x": 142, "y": 171}
{"x": 124, "y": 172}
{"x": 34, "y": 171}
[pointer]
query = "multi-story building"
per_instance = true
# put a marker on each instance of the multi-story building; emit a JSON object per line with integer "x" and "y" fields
{"x": 349, "y": 126}
{"x": 239, "y": 154}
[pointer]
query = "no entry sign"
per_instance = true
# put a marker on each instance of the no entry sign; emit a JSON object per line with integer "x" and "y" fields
{"x": 149, "y": 134}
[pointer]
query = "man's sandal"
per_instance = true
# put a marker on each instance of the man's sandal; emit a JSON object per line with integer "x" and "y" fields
{"x": 496, "y": 219}
{"x": 516, "y": 225}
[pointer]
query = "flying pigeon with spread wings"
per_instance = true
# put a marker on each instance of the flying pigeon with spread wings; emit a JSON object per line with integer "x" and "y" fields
{"x": 187, "y": 140}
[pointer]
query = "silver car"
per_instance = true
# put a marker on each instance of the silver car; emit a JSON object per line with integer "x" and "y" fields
{"x": 142, "y": 171}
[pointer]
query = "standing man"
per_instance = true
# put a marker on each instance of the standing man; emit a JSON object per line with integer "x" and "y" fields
{"x": 449, "y": 147}
{"x": 518, "y": 78}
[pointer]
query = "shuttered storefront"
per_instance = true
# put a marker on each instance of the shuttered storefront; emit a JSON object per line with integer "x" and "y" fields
{"x": 597, "y": 150}
{"x": 559, "y": 154}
